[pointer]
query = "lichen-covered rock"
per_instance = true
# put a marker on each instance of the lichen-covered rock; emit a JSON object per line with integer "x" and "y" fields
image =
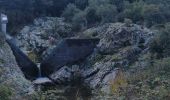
{"x": 10, "y": 74}
{"x": 119, "y": 47}
{"x": 62, "y": 76}
{"x": 117, "y": 35}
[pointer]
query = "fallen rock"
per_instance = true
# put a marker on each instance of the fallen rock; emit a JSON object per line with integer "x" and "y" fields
{"x": 62, "y": 76}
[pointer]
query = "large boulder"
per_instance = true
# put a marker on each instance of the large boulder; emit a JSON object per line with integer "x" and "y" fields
{"x": 68, "y": 52}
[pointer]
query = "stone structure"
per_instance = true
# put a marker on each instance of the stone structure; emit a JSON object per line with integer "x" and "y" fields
{"x": 68, "y": 51}
{"x": 4, "y": 21}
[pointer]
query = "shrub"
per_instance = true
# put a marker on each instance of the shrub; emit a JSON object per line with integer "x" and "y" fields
{"x": 91, "y": 16}
{"x": 160, "y": 45}
{"x": 107, "y": 13}
{"x": 119, "y": 3}
{"x": 133, "y": 11}
{"x": 150, "y": 83}
{"x": 127, "y": 22}
{"x": 79, "y": 21}
{"x": 141, "y": 12}
{"x": 152, "y": 15}
{"x": 118, "y": 82}
{"x": 81, "y": 4}
{"x": 5, "y": 93}
{"x": 70, "y": 12}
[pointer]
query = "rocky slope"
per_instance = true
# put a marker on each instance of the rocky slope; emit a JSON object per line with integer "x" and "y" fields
{"x": 41, "y": 36}
{"x": 120, "y": 46}
{"x": 12, "y": 82}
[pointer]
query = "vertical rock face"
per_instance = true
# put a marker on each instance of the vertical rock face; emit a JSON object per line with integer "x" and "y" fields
{"x": 29, "y": 68}
{"x": 10, "y": 74}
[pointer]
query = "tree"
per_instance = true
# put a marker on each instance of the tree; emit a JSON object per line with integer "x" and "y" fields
{"x": 79, "y": 21}
{"x": 70, "y": 12}
{"x": 91, "y": 16}
{"x": 107, "y": 13}
{"x": 152, "y": 15}
{"x": 81, "y": 4}
{"x": 119, "y": 4}
{"x": 161, "y": 43}
{"x": 133, "y": 11}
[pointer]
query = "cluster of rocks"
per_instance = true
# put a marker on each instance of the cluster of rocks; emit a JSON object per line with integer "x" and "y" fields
{"x": 41, "y": 36}
{"x": 119, "y": 46}
{"x": 117, "y": 35}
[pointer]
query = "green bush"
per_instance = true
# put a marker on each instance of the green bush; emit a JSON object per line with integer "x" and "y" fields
{"x": 107, "y": 13}
{"x": 152, "y": 15}
{"x": 133, "y": 11}
{"x": 150, "y": 83}
{"x": 70, "y": 12}
{"x": 81, "y": 4}
{"x": 141, "y": 12}
{"x": 5, "y": 93}
{"x": 160, "y": 45}
{"x": 79, "y": 21}
{"x": 91, "y": 16}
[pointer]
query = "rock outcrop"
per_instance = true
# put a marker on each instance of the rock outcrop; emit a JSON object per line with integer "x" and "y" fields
{"x": 119, "y": 47}
{"x": 117, "y": 35}
{"x": 41, "y": 36}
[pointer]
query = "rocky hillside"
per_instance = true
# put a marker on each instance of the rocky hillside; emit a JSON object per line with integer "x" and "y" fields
{"x": 120, "y": 46}
{"x": 43, "y": 34}
{"x": 120, "y": 64}
{"x": 13, "y": 85}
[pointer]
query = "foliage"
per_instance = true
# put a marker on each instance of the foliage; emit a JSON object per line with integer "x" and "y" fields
{"x": 91, "y": 16}
{"x": 5, "y": 92}
{"x": 148, "y": 13}
{"x": 150, "y": 83}
{"x": 118, "y": 82}
{"x": 79, "y": 21}
{"x": 134, "y": 11}
{"x": 127, "y": 22}
{"x": 33, "y": 56}
{"x": 81, "y": 4}
{"x": 69, "y": 12}
{"x": 107, "y": 13}
{"x": 161, "y": 43}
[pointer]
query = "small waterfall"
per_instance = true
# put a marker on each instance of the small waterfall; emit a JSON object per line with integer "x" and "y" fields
{"x": 39, "y": 70}
{"x": 40, "y": 80}
{"x": 39, "y": 76}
